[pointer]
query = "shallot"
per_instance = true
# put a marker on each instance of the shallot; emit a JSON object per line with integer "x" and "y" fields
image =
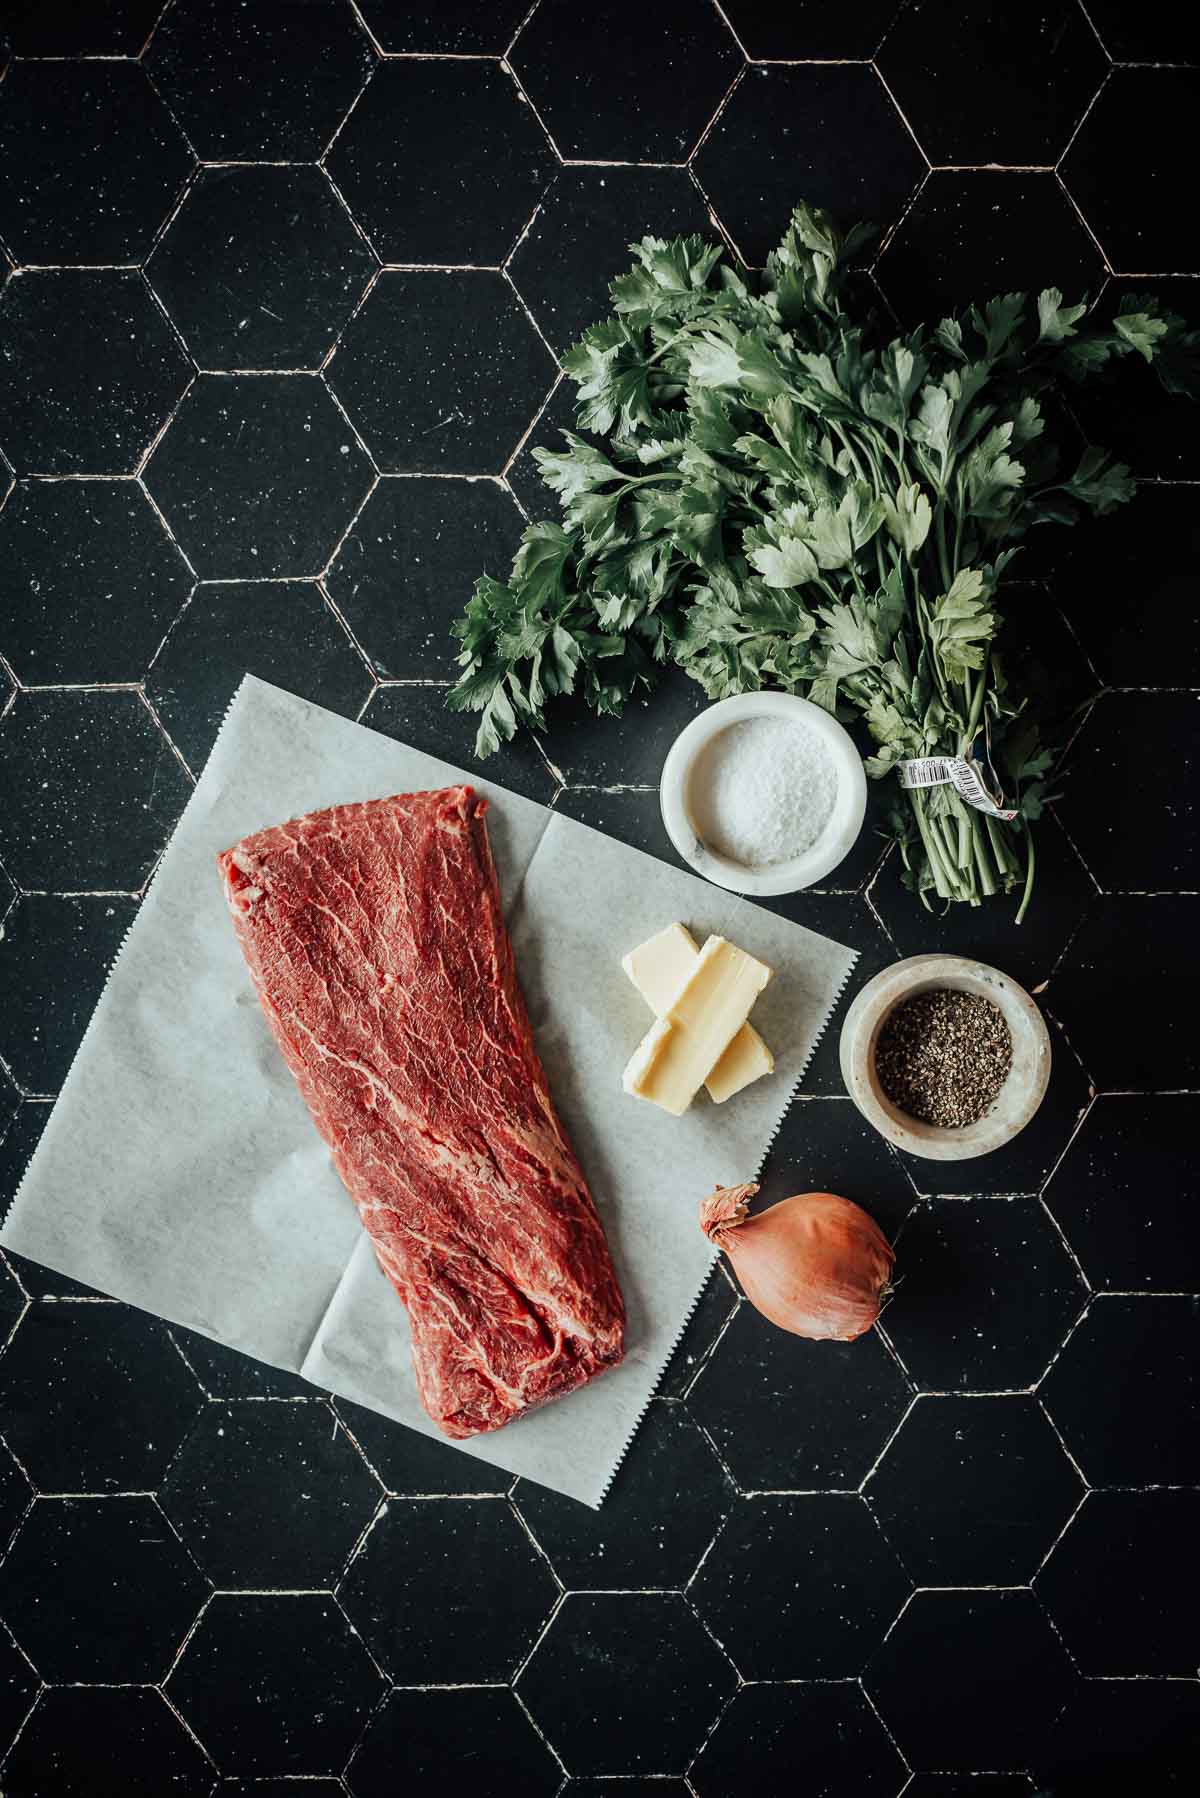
{"x": 814, "y": 1264}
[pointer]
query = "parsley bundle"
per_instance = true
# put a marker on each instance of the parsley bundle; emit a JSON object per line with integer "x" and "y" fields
{"x": 783, "y": 499}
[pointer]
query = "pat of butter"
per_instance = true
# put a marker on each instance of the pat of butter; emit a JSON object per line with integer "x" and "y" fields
{"x": 681, "y": 1048}
{"x": 659, "y": 968}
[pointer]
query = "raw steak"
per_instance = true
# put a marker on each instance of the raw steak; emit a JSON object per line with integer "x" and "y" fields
{"x": 375, "y": 940}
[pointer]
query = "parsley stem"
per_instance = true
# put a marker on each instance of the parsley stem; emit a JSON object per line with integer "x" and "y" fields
{"x": 1030, "y": 866}
{"x": 933, "y": 854}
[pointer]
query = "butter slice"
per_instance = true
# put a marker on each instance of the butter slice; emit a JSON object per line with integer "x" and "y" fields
{"x": 659, "y": 969}
{"x": 682, "y": 1048}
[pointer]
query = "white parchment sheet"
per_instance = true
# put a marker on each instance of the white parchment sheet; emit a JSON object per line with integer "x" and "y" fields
{"x": 180, "y": 1171}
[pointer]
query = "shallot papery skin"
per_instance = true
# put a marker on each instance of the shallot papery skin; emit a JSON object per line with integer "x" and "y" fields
{"x": 814, "y": 1264}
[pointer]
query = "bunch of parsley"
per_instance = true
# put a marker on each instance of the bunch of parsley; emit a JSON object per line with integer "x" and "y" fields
{"x": 782, "y": 500}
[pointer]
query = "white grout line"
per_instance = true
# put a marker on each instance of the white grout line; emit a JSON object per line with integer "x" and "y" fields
{"x": 902, "y": 116}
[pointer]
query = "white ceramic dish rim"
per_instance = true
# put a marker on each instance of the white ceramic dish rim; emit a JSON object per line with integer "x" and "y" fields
{"x": 1019, "y": 1098}
{"x": 842, "y": 827}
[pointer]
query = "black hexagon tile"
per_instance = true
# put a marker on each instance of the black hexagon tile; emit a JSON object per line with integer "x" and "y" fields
{"x": 479, "y": 1741}
{"x": 621, "y": 84}
{"x": 789, "y": 1415}
{"x": 1127, "y": 844}
{"x": 1125, "y": 1735}
{"x": 258, "y": 476}
{"x": 1121, "y": 1386}
{"x": 82, "y": 1741}
{"x": 223, "y": 1372}
{"x": 72, "y": 1364}
{"x": 976, "y": 1679}
{"x": 408, "y": 566}
{"x": 54, "y": 960}
{"x": 1125, "y": 1197}
{"x": 808, "y": 30}
{"x": 270, "y": 82}
{"x": 828, "y": 1730}
{"x": 782, "y": 139}
{"x": 92, "y": 790}
{"x": 16, "y": 1494}
{"x": 973, "y": 1491}
{"x": 970, "y": 236}
{"x": 89, "y": 371}
{"x": 1111, "y": 987}
{"x": 836, "y": 1583}
{"x": 1136, "y": 140}
{"x": 269, "y": 1495}
{"x": 89, "y": 581}
{"x": 704, "y": 1326}
{"x": 411, "y": 1464}
{"x": 1027, "y": 951}
{"x": 478, "y": 185}
{"x": 275, "y": 1683}
{"x": 1093, "y": 571}
{"x": 79, "y": 27}
{"x": 667, "y": 1501}
{"x": 125, "y": 1590}
{"x": 261, "y": 268}
{"x": 1024, "y": 1164}
{"x": 824, "y": 1143}
{"x": 441, "y": 372}
{"x": 990, "y": 84}
{"x": 419, "y": 715}
{"x": 579, "y": 241}
{"x": 626, "y": 1682}
{"x": 283, "y": 631}
{"x": 989, "y": 1291}
{"x": 442, "y": 27}
{"x": 448, "y": 1591}
{"x": 90, "y": 162}
{"x": 1122, "y": 1584}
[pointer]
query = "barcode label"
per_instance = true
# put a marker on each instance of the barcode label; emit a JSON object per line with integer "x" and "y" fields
{"x": 954, "y": 771}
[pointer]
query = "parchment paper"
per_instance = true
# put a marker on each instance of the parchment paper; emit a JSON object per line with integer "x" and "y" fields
{"x": 180, "y": 1171}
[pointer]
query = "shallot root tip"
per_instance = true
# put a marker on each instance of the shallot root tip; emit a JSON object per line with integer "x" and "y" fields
{"x": 725, "y": 1209}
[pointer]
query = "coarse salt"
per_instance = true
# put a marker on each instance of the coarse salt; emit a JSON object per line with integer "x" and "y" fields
{"x": 762, "y": 791}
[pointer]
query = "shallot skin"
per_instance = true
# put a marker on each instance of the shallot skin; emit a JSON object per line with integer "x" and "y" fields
{"x": 815, "y": 1264}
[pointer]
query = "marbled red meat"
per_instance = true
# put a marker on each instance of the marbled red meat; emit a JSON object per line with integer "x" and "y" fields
{"x": 376, "y": 942}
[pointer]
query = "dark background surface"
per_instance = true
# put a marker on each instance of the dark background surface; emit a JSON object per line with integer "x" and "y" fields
{"x": 964, "y": 1545}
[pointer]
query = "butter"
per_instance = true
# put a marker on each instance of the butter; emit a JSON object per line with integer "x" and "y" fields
{"x": 682, "y": 1048}
{"x": 659, "y": 968}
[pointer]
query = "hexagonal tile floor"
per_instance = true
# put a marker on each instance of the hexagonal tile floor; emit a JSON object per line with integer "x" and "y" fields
{"x": 283, "y": 289}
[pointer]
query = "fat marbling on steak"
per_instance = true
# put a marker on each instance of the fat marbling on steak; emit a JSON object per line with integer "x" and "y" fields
{"x": 376, "y": 942}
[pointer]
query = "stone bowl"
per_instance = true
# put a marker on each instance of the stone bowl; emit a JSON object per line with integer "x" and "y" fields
{"x": 1019, "y": 1097}
{"x": 683, "y": 773}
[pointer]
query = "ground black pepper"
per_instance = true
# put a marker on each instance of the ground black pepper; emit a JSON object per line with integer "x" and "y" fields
{"x": 943, "y": 1056}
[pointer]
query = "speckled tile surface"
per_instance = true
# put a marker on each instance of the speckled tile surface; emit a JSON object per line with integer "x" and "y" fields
{"x": 283, "y": 285}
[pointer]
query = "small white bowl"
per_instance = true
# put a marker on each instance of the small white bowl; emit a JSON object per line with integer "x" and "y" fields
{"x": 1017, "y": 1100}
{"x": 675, "y": 793}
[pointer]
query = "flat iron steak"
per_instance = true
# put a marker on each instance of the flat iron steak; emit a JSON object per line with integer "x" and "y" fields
{"x": 376, "y": 942}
